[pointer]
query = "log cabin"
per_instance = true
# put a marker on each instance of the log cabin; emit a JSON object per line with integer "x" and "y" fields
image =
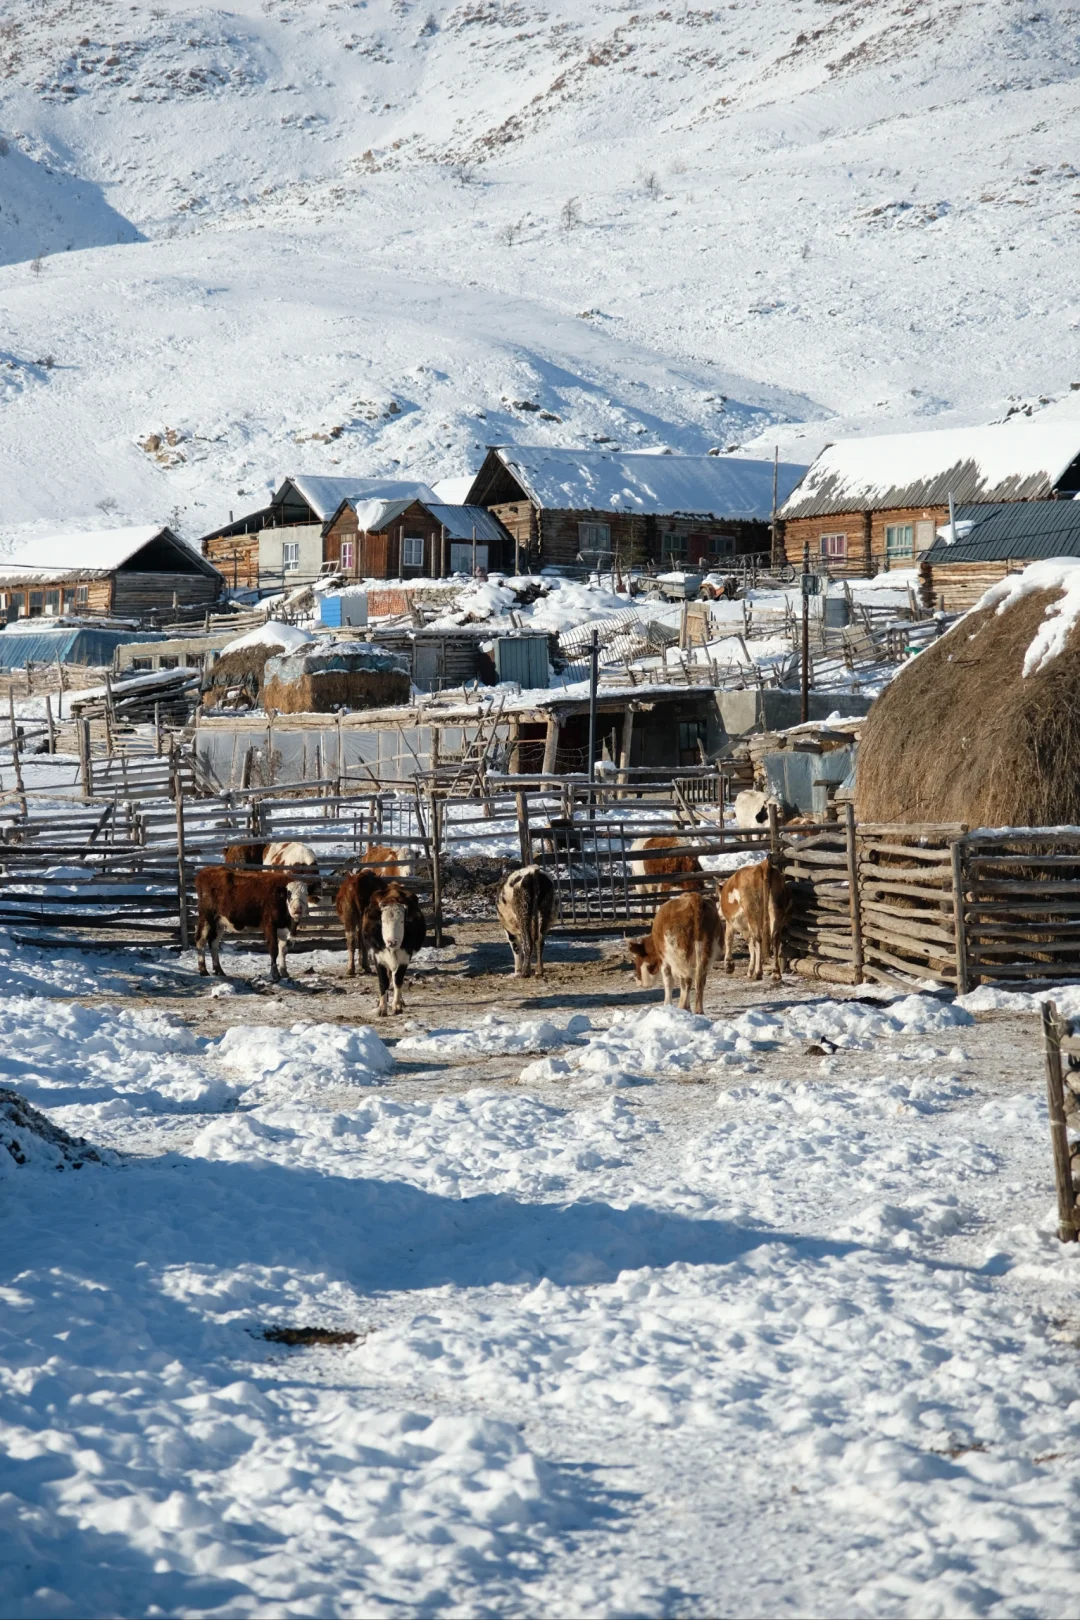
{"x": 144, "y": 574}
{"x": 413, "y": 539}
{"x": 992, "y": 542}
{"x": 281, "y": 543}
{"x": 866, "y": 505}
{"x": 564, "y": 507}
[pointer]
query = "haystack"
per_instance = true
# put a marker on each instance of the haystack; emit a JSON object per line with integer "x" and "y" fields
{"x": 984, "y": 726}
{"x": 335, "y": 675}
{"x": 235, "y": 678}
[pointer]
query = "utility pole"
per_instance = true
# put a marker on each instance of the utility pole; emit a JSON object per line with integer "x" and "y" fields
{"x": 594, "y": 660}
{"x": 775, "y": 558}
{"x": 806, "y": 579}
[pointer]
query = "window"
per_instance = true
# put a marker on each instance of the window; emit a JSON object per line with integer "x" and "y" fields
{"x": 899, "y": 540}
{"x": 721, "y": 545}
{"x": 15, "y": 603}
{"x": 674, "y": 547}
{"x": 82, "y": 595}
{"x": 594, "y": 536}
{"x": 691, "y": 733}
{"x": 834, "y": 545}
{"x": 412, "y": 551}
{"x": 290, "y": 556}
{"x": 348, "y": 555}
{"x": 52, "y": 602}
{"x": 165, "y": 662}
{"x": 37, "y": 604}
{"x": 461, "y": 557}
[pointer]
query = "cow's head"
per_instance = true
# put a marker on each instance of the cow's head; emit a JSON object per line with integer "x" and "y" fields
{"x": 646, "y": 966}
{"x": 296, "y": 898}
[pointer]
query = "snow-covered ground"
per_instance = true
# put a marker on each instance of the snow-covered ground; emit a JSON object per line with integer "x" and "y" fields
{"x": 378, "y": 236}
{"x": 759, "y": 1312}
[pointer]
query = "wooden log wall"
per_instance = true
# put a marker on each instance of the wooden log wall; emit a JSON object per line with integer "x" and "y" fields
{"x": 1021, "y": 905}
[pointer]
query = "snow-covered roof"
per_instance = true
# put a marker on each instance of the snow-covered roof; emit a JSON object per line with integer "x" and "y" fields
{"x": 325, "y": 494}
{"x": 271, "y": 634}
{"x": 87, "y": 552}
{"x": 454, "y": 491}
{"x": 632, "y": 481}
{"x": 461, "y": 522}
{"x": 1004, "y": 461}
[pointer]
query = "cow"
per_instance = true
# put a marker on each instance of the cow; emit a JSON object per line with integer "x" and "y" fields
{"x": 300, "y": 860}
{"x": 662, "y": 867}
{"x": 350, "y": 904}
{"x": 394, "y": 931}
{"x": 752, "y": 808}
{"x": 755, "y": 903}
{"x": 388, "y": 862}
{"x": 524, "y": 905}
{"x": 682, "y": 946}
{"x": 273, "y": 902}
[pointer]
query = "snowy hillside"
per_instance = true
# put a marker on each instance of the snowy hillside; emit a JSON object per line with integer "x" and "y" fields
{"x": 363, "y": 235}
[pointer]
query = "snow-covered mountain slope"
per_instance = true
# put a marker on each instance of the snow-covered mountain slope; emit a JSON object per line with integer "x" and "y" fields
{"x": 362, "y": 234}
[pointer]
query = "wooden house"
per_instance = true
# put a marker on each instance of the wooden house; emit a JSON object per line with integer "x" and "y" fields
{"x": 566, "y": 507}
{"x": 866, "y": 505}
{"x": 993, "y": 541}
{"x": 140, "y": 573}
{"x": 281, "y": 543}
{"x": 413, "y": 539}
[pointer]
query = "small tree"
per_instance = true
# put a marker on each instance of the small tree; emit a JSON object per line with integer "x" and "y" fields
{"x": 570, "y": 217}
{"x": 651, "y": 185}
{"x": 37, "y": 265}
{"x": 107, "y": 504}
{"x": 511, "y": 233}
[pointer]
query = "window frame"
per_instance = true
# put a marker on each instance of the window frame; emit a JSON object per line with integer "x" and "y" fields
{"x": 347, "y": 559}
{"x": 594, "y": 536}
{"x": 891, "y": 548}
{"x": 412, "y": 540}
{"x": 290, "y": 556}
{"x": 721, "y": 545}
{"x": 833, "y": 545}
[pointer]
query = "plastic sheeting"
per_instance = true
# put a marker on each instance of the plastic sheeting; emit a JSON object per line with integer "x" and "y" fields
{"x": 70, "y": 644}
{"x": 379, "y": 755}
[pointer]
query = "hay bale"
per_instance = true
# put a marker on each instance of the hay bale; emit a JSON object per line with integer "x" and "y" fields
{"x": 962, "y": 734}
{"x": 335, "y": 675}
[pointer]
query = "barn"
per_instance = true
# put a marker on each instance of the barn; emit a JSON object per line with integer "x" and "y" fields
{"x": 378, "y": 538}
{"x": 142, "y": 573}
{"x": 282, "y": 541}
{"x": 564, "y": 507}
{"x": 866, "y": 505}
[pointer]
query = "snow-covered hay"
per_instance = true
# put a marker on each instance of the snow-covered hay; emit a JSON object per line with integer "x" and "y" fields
{"x": 347, "y": 675}
{"x": 984, "y": 726}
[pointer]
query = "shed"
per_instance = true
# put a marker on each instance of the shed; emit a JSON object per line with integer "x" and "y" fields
{"x": 131, "y": 573}
{"x": 563, "y": 506}
{"x": 874, "y": 503}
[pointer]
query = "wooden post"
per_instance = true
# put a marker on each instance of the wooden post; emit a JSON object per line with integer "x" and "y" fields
{"x": 1059, "y": 1136}
{"x": 854, "y": 893}
{"x": 15, "y": 753}
{"x": 804, "y": 684}
{"x": 624, "y": 751}
{"x": 551, "y": 746}
{"x": 60, "y": 682}
{"x": 524, "y": 837}
{"x": 181, "y": 876}
{"x": 49, "y": 723}
{"x": 108, "y": 714}
{"x": 774, "y": 831}
{"x": 157, "y": 728}
{"x": 436, "y": 865}
{"x": 86, "y": 764}
{"x": 963, "y": 979}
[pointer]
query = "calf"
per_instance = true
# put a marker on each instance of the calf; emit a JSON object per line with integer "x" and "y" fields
{"x": 298, "y": 858}
{"x": 662, "y": 867}
{"x": 752, "y": 808}
{"x": 524, "y": 905}
{"x": 755, "y": 902}
{"x": 273, "y": 902}
{"x": 388, "y": 862}
{"x": 393, "y": 931}
{"x": 683, "y": 945}
{"x": 350, "y": 904}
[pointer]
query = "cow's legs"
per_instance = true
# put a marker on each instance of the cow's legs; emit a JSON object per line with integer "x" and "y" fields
{"x": 684, "y": 993}
{"x": 384, "y": 985}
{"x": 200, "y": 942}
{"x": 754, "y": 971}
{"x": 518, "y": 955}
{"x": 270, "y": 934}
{"x": 669, "y": 983}
{"x": 539, "y": 949}
{"x": 399, "y": 980}
{"x": 350, "y": 940}
{"x": 701, "y": 973}
{"x": 283, "y": 943}
{"x": 729, "y": 965}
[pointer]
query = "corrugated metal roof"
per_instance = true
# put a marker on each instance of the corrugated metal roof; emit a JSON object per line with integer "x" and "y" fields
{"x": 461, "y": 521}
{"x": 1020, "y": 529}
{"x": 632, "y": 481}
{"x": 1005, "y": 461}
{"x": 325, "y": 494}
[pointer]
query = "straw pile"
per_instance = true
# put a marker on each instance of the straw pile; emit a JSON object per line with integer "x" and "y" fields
{"x": 963, "y": 735}
{"x": 338, "y": 675}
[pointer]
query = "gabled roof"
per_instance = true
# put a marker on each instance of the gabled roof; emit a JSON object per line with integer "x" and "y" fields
{"x": 325, "y": 494}
{"x": 92, "y": 553}
{"x": 460, "y": 522}
{"x": 1018, "y": 530}
{"x": 1005, "y": 461}
{"x": 632, "y": 481}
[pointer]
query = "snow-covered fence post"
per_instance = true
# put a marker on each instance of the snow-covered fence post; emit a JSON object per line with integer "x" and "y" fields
{"x": 959, "y": 878}
{"x": 854, "y": 895}
{"x": 524, "y": 836}
{"x": 1053, "y": 1028}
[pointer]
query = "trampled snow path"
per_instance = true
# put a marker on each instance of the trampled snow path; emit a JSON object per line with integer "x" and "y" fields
{"x": 790, "y": 1347}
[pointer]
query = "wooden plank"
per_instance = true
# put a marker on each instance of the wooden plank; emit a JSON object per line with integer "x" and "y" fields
{"x": 1053, "y": 1028}
{"x": 904, "y": 874}
{"x": 918, "y": 970}
{"x": 918, "y": 852}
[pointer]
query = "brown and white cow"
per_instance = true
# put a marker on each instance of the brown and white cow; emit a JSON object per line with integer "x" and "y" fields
{"x": 683, "y": 945}
{"x": 525, "y": 905}
{"x": 388, "y": 862}
{"x": 393, "y": 931}
{"x": 229, "y": 901}
{"x": 301, "y": 861}
{"x": 755, "y": 903}
{"x": 662, "y": 868}
{"x": 350, "y": 903}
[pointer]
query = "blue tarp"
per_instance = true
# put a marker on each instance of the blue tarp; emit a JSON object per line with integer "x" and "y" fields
{"x": 71, "y": 644}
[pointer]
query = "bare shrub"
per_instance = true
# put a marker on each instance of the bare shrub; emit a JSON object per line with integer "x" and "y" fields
{"x": 512, "y": 232}
{"x": 570, "y": 217}
{"x": 650, "y": 184}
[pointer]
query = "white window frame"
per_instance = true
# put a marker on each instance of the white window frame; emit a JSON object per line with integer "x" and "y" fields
{"x": 594, "y": 536}
{"x": 833, "y": 545}
{"x": 906, "y": 548}
{"x": 411, "y": 557}
{"x": 348, "y": 555}
{"x": 290, "y": 556}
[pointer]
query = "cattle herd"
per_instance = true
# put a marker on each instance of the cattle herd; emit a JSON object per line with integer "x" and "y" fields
{"x": 269, "y": 888}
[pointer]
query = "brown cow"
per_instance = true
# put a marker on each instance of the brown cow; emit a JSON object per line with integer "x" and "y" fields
{"x": 755, "y": 902}
{"x": 273, "y": 902}
{"x": 301, "y": 861}
{"x": 350, "y": 904}
{"x": 394, "y": 931}
{"x": 683, "y": 945}
{"x": 661, "y": 867}
{"x": 388, "y": 862}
